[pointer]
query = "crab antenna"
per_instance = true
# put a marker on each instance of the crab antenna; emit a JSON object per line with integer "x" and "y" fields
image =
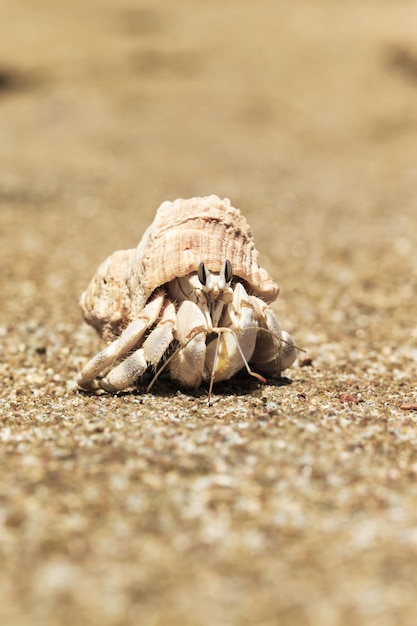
{"x": 248, "y": 369}
{"x": 277, "y": 337}
{"x": 213, "y": 369}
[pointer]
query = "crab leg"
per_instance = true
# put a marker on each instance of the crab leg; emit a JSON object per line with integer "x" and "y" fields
{"x": 275, "y": 349}
{"x": 153, "y": 348}
{"x": 188, "y": 364}
{"x": 122, "y": 345}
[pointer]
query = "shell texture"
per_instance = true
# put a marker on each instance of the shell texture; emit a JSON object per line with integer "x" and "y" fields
{"x": 183, "y": 234}
{"x": 106, "y": 303}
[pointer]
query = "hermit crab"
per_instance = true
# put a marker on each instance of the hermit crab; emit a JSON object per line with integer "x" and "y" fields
{"x": 190, "y": 299}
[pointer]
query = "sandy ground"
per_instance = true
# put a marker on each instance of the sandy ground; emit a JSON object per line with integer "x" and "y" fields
{"x": 282, "y": 503}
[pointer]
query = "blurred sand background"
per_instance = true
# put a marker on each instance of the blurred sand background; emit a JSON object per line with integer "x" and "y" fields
{"x": 280, "y": 504}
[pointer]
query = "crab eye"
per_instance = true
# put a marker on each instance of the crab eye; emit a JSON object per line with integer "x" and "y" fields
{"x": 202, "y": 274}
{"x": 227, "y": 271}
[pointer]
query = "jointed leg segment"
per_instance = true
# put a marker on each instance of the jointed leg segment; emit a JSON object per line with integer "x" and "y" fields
{"x": 129, "y": 338}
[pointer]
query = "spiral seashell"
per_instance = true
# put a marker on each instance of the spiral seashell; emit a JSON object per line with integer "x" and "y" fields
{"x": 183, "y": 234}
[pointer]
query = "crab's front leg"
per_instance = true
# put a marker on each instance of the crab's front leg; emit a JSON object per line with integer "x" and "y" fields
{"x": 237, "y": 331}
{"x": 275, "y": 349}
{"x": 151, "y": 352}
{"x": 187, "y": 365}
{"x": 127, "y": 341}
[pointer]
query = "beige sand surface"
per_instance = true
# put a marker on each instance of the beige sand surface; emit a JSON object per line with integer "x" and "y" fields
{"x": 280, "y": 504}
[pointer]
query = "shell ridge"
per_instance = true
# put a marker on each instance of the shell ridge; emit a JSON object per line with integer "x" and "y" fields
{"x": 182, "y": 234}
